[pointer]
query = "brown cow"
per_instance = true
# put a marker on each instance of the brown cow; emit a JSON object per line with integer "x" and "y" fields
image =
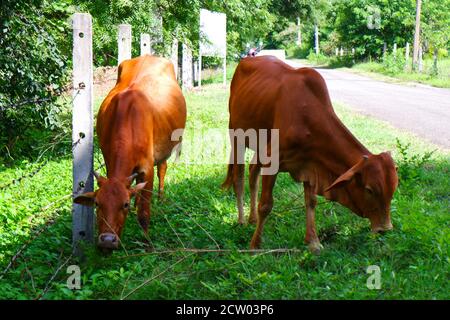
{"x": 314, "y": 146}
{"x": 134, "y": 126}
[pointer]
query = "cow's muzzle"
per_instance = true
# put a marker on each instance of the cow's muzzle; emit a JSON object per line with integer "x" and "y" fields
{"x": 382, "y": 228}
{"x": 108, "y": 241}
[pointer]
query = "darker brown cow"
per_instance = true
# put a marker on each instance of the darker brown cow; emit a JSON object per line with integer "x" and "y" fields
{"x": 135, "y": 124}
{"x": 314, "y": 146}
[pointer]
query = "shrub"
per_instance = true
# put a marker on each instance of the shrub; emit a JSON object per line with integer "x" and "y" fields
{"x": 410, "y": 168}
{"x": 33, "y": 68}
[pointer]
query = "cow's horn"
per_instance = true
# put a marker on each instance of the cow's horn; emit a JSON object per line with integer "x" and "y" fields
{"x": 131, "y": 178}
{"x": 365, "y": 157}
{"x": 96, "y": 174}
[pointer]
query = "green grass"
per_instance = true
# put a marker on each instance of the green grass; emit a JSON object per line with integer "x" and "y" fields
{"x": 198, "y": 214}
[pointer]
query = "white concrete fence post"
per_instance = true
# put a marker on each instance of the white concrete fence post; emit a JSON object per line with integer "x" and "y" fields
{"x": 406, "y": 55}
{"x": 124, "y": 43}
{"x": 316, "y": 39}
{"x": 145, "y": 44}
{"x": 174, "y": 56}
{"x": 420, "y": 62}
{"x": 82, "y": 128}
{"x": 187, "y": 68}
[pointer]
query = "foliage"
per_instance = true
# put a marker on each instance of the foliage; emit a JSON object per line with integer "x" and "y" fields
{"x": 367, "y": 24}
{"x": 33, "y": 67}
{"x": 411, "y": 166}
{"x": 142, "y": 15}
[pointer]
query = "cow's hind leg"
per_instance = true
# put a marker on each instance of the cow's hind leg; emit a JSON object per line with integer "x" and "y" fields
{"x": 238, "y": 185}
{"x": 162, "y": 168}
{"x": 310, "y": 203}
{"x": 254, "y": 171}
{"x": 264, "y": 208}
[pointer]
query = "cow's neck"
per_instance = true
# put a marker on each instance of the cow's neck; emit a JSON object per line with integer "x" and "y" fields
{"x": 345, "y": 148}
{"x": 121, "y": 165}
{"x": 340, "y": 151}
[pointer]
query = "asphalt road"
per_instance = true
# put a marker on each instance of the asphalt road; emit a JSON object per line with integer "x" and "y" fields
{"x": 420, "y": 109}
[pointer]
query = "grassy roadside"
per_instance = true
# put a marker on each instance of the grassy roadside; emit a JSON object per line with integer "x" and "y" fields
{"x": 377, "y": 70}
{"x": 391, "y": 70}
{"x": 198, "y": 214}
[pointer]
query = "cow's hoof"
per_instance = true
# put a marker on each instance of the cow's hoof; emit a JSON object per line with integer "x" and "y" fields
{"x": 255, "y": 244}
{"x": 315, "y": 247}
{"x": 241, "y": 222}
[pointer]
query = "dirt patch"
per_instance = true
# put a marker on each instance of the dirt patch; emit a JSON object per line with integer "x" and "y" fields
{"x": 104, "y": 80}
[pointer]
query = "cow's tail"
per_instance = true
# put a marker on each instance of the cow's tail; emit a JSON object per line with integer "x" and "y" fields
{"x": 229, "y": 179}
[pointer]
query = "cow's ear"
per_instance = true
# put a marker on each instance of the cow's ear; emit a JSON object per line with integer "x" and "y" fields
{"x": 137, "y": 188}
{"x": 86, "y": 199}
{"x": 347, "y": 176}
{"x": 342, "y": 180}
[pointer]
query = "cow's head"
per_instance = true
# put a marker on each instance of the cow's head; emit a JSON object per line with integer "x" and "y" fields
{"x": 112, "y": 203}
{"x": 367, "y": 189}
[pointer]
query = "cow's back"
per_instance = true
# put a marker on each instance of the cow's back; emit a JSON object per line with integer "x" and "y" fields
{"x": 266, "y": 93}
{"x": 146, "y": 86}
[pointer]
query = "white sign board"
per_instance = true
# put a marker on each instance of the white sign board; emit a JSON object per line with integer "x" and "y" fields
{"x": 280, "y": 54}
{"x": 213, "y": 33}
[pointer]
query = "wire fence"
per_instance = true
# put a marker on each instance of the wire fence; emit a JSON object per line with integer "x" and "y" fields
{"x": 56, "y": 205}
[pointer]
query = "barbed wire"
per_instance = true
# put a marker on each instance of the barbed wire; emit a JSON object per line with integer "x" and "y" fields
{"x": 53, "y": 94}
{"x": 25, "y": 176}
{"x": 50, "y": 281}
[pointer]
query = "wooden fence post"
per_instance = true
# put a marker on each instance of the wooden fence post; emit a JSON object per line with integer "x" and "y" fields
{"x": 145, "y": 44}
{"x": 82, "y": 128}
{"x": 187, "y": 67}
{"x": 124, "y": 43}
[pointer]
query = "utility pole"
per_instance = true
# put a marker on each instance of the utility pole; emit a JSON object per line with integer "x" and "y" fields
{"x": 417, "y": 35}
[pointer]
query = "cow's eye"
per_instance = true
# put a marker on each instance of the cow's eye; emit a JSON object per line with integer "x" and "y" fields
{"x": 369, "y": 190}
{"x": 96, "y": 204}
{"x": 126, "y": 205}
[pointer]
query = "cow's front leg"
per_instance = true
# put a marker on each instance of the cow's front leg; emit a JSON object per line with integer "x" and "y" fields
{"x": 264, "y": 208}
{"x": 162, "y": 168}
{"x": 311, "y": 236}
{"x": 144, "y": 199}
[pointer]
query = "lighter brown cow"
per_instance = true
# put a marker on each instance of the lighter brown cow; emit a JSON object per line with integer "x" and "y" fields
{"x": 135, "y": 124}
{"x": 314, "y": 147}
